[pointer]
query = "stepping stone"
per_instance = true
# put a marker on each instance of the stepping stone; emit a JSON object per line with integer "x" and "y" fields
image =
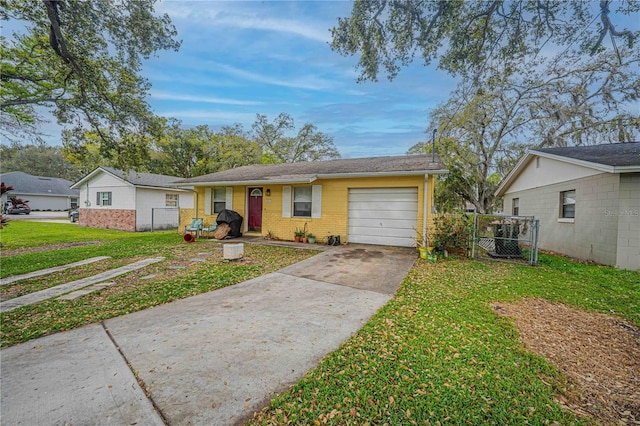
{"x": 47, "y": 271}
{"x": 148, "y": 277}
{"x": 79, "y": 293}
{"x": 198, "y": 259}
{"x": 177, "y": 267}
{"x": 49, "y": 293}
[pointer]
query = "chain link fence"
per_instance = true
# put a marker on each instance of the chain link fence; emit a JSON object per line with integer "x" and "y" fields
{"x": 165, "y": 218}
{"x": 507, "y": 238}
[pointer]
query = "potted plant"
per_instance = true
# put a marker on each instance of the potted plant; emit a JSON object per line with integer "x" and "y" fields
{"x": 311, "y": 238}
{"x": 298, "y": 233}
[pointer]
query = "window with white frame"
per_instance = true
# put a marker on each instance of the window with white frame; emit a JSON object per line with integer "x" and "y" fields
{"x": 219, "y": 199}
{"x": 302, "y": 197}
{"x": 103, "y": 198}
{"x": 515, "y": 207}
{"x": 171, "y": 200}
{"x": 568, "y": 204}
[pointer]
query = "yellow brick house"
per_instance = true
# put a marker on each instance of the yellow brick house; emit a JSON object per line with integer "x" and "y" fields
{"x": 378, "y": 200}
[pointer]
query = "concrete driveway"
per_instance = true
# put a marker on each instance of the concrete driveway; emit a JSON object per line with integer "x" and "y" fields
{"x": 210, "y": 359}
{"x": 54, "y": 217}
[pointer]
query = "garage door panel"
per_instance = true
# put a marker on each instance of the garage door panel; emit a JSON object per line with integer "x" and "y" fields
{"x": 382, "y": 232}
{"x": 374, "y": 214}
{"x": 383, "y": 206}
{"x": 386, "y": 241}
{"x": 375, "y": 222}
{"x": 386, "y": 196}
{"x": 385, "y": 216}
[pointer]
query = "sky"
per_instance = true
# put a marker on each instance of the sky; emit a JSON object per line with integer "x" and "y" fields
{"x": 239, "y": 59}
{"x": 243, "y": 58}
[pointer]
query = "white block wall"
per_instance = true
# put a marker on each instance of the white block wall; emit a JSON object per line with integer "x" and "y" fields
{"x": 602, "y": 230}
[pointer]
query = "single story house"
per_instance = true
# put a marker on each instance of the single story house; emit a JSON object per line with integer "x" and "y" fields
{"x": 43, "y": 193}
{"x": 132, "y": 201}
{"x": 587, "y": 199}
{"x": 380, "y": 200}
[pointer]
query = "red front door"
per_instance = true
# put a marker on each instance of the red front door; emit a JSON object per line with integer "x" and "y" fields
{"x": 255, "y": 209}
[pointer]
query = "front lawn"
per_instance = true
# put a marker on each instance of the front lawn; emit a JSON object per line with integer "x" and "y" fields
{"x": 438, "y": 353}
{"x": 23, "y": 234}
{"x": 134, "y": 291}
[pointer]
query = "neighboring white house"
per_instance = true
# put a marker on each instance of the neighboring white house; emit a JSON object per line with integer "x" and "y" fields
{"x": 587, "y": 199}
{"x": 43, "y": 193}
{"x": 132, "y": 202}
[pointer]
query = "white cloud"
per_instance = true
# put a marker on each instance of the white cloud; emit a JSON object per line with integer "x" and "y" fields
{"x": 217, "y": 116}
{"x": 231, "y": 14}
{"x": 203, "y": 99}
{"x": 307, "y": 82}
{"x": 302, "y": 29}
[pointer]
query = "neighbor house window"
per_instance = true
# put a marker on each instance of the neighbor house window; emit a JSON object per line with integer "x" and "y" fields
{"x": 171, "y": 200}
{"x": 103, "y": 199}
{"x": 219, "y": 199}
{"x": 568, "y": 202}
{"x": 515, "y": 206}
{"x": 302, "y": 201}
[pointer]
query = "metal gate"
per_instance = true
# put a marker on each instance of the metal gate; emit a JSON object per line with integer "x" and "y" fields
{"x": 163, "y": 218}
{"x": 507, "y": 238}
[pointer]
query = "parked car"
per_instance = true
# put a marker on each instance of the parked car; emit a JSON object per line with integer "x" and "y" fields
{"x": 73, "y": 215}
{"x": 17, "y": 209}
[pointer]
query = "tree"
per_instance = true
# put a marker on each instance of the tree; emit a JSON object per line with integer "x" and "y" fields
{"x": 38, "y": 160}
{"x": 308, "y": 144}
{"x": 235, "y": 148}
{"x": 569, "y": 100}
{"x": 467, "y": 36}
{"x": 183, "y": 152}
{"x": 81, "y": 60}
{"x": 82, "y": 149}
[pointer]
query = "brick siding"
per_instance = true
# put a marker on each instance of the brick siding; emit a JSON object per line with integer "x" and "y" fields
{"x": 124, "y": 220}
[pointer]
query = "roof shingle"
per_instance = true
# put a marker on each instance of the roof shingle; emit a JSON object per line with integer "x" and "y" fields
{"x": 142, "y": 179}
{"x": 25, "y": 183}
{"x": 309, "y": 170}
{"x": 615, "y": 154}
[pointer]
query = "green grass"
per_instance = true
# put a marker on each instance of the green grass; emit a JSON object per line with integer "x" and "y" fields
{"x": 25, "y": 234}
{"x": 129, "y": 245}
{"x": 131, "y": 293}
{"x": 437, "y": 353}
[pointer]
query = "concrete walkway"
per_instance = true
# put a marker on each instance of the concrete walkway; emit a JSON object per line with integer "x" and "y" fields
{"x": 212, "y": 359}
{"x": 48, "y": 293}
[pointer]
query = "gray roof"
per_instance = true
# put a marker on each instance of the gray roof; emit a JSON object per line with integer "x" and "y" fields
{"x": 615, "y": 154}
{"x": 308, "y": 171}
{"x": 24, "y": 183}
{"x": 142, "y": 179}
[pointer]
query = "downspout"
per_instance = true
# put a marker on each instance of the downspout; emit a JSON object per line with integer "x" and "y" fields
{"x": 195, "y": 199}
{"x": 424, "y": 210}
{"x": 195, "y": 202}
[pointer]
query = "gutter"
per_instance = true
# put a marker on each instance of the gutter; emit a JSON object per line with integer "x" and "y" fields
{"x": 314, "y": 178}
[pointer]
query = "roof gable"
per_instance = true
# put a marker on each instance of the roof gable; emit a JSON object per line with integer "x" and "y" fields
{"x": 606, "y": 158}
{"x": 310, "y": 171}
{"x": 133, "y": 177}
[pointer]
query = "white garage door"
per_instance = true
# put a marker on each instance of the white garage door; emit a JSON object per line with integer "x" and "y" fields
{"x": 384, "y": 216}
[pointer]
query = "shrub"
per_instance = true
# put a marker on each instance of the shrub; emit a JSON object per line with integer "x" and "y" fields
{"x": 451, "y": 232}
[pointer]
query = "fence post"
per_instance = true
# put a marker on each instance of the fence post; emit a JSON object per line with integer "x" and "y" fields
{"x": 475, "y": 234}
